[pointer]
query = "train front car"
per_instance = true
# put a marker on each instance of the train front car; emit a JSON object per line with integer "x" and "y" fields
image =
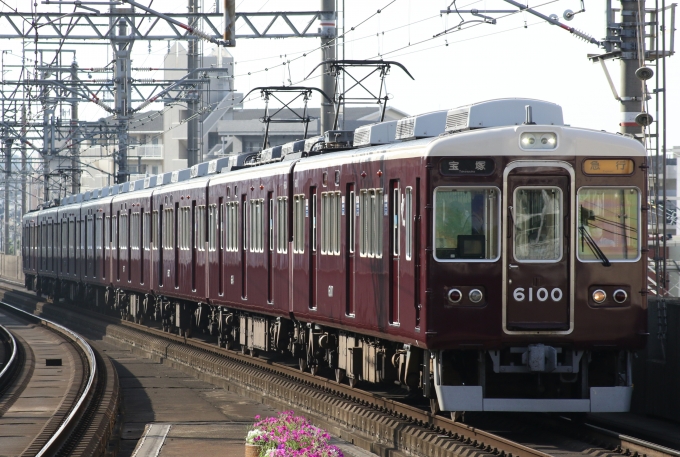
{"x": 536, "y": 282}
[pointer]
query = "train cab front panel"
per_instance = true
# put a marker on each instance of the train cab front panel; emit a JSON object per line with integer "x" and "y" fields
{"x": 536, "y": 275}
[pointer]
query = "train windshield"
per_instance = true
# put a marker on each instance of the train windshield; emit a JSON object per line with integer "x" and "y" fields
{"x": 538, "y": 224}
{"x": 466, "y": 223}
{"x": 608, "y": 220}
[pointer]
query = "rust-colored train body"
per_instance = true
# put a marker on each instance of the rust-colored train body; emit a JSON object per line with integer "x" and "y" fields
{"x": 488, "y": 273}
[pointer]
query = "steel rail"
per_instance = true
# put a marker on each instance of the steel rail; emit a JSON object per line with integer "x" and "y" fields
{"x": 60, "y": 436}
{"x": 13, "y": 357}
{"x": 634, "y": 445}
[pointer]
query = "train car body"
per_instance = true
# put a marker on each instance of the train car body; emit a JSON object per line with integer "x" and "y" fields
{"x": 495, "y": 267}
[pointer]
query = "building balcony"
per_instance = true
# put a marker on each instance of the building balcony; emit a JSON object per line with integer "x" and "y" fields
{"x": 150, "y": 151}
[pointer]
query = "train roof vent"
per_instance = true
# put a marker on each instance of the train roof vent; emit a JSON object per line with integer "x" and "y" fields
{"x": 421, "y": 126}
{"x": 115, "y": 189}
{"x": 310, "y": 142}
{"x": 273, "y": 154}
{"x": 125, "y": 187}
{"x": 180, "y": 175}
{"x": 216, "y": 165}
{"x": 86, "y": 196}
{"x": 239, "y": 161}
{"x": 200, "y": 169}
{"x": 375, "y": 134}
{"x": 150, "y": 181}
{"x": 502, "y": 112}
{"x": 136, "y": 185}
{"x": 163, "y": 179}
{"x": 293, "y": 147}
{"x": 65, "y": 201}
{"x": 78, "y": 198}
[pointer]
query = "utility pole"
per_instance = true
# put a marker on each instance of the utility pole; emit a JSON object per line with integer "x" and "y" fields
{"x": 24, "y": 170}
{"x": 8, "y": 172}
{"x": 328, "y": 36}
{"x": 48, "y": 114}
{"x": 632, "y": 58}
{"x": 122, "y": 80}
{"x": 192, "y": 102}
{"x": 73, "y": 133}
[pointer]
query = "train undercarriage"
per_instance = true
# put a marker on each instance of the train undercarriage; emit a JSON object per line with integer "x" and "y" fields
{"x": 534, "y": 377}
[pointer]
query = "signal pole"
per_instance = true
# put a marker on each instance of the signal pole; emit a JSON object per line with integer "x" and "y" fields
{"x": 328, "y": 34}
{"x": 192, "y": 102}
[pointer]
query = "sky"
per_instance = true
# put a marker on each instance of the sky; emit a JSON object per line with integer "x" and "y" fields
{"x": 520, "y": 56}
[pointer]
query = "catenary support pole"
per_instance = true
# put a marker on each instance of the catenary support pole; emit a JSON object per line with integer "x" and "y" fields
{"x": 192, "y": 103}
{"x": 24, "y": 169}
{"x": 631, "y": 86}
{"x": 328, "y": 35}
{"x": 73, "y": 133}
{"x": 8, "y": 173}
{"x": 122, "y": 80}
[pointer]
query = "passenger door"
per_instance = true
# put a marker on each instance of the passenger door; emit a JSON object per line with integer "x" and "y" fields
{"x": 537, "y": 253}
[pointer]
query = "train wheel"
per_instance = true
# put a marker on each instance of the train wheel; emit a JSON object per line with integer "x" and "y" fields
{"x": 458, "y": 416}
{"x": 339, "y": 375}
{"x": 302, "y": 363}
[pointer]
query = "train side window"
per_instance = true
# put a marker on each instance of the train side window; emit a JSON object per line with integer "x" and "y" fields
{"x": 114, "y": 232}
{"x": 408, "y": 222}
{"x": 64, "y": 234}
{"x": 89, "y": 228}
{"x": 608, "y": 220}
{"x": 351, "y": 214}
{"x": 466, "y": 224}
{"x": 72, "y": 239}
{"x": 123, "y": 231}
{"x": 282, "y": 225}
{"x": 271, "y": 223}
{"x": 200, "y": 227}
{"x": 231, "y": 227}
{"x": 154, "y": 230}
{"x": 370, "y": 222}
{"x": 330, "y": 223}
{"x": 134, "y": 231}
{"x": 98, "y": 232}
{"x": 256, "y": 225}
{"x": 146, "y": 237}
{"x": 325, "y": 222}
{"x": 299, "y": 224}
{"x": 107, "y": 232}
{"x": 168, "y": 229}
{"x": 212, "y": 227}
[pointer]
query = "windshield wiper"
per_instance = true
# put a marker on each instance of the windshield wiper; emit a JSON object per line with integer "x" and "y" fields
{"x": 592, "y": 244}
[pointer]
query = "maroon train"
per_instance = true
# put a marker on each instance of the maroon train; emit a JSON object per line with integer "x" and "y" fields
{"x": 488, "y": 257}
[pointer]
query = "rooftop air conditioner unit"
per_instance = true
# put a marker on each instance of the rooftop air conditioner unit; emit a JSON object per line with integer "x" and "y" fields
{"x": 421, "y": 126}
{"x": 502, "y": 112}
{"x": 375, "y": 134}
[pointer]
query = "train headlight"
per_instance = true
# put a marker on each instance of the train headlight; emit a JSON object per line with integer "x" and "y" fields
{"x": 599, "y": 296}
{"x": 475, "y": 295}
{"x": 455, "y": 296}
{"x": 538, "y": 140}
{"x": 620, "y": 296}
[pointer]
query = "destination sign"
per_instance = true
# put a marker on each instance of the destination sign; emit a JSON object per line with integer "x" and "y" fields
{"x": 458, "y": 167}
{"x": 608, "y": 167}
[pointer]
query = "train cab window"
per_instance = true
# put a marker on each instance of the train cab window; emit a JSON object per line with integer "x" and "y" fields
{"x": 538, "y": 224}
{"x": 608, "y": 220}
{"x": 282, "y": 225}
{"x": 466, "y": 224}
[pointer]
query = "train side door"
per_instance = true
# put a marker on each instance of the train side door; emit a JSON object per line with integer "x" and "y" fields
{"x": 538, "y": 257}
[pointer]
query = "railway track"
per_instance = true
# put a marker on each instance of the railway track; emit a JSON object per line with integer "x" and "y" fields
{"x": 81, "y": 385}
{"x": 373, "y": 421}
